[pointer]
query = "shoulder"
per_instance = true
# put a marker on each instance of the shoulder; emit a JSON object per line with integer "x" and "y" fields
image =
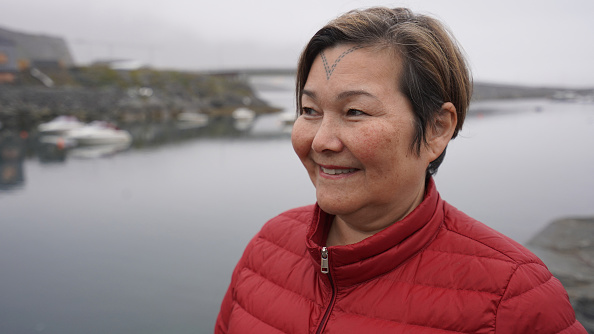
{"x": 285, "y": 231}
{"x": 530, "y": 296}
{"x": 477, "y": 257}
{"x": 264, "y": 265}
{"x": 289, "y": 222}
{"x": 466, "y": 234}
{"x": 297, "y": 214}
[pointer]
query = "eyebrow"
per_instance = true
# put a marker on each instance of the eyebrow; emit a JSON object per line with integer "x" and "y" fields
{"x": 342, "y": 95}
{"x": 351, "y": 93}
{"x": 309, "y": 93}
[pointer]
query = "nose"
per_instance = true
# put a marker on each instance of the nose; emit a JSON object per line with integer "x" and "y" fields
{"x": 327, "y": 137}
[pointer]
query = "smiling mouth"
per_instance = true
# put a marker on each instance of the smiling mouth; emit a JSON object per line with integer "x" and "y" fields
{"x": 336, "y": 171}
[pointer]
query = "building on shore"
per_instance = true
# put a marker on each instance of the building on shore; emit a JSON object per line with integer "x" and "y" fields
{"x": 21, "y": 51}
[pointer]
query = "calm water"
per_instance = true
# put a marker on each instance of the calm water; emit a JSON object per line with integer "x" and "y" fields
{"x": 145, "y": 241}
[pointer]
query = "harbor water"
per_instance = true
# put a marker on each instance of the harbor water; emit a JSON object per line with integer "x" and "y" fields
{"x": 144, "y": 241}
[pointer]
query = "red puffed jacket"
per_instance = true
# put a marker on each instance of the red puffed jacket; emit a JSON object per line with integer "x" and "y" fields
{"x": 435, "y": 271}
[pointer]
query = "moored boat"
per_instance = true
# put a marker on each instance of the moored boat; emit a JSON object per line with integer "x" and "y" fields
{"x": 60, "y": 125}
{"x": 191, "y": 120}
{"x": 243, "y": 118}
{"x": 99, "y": 133}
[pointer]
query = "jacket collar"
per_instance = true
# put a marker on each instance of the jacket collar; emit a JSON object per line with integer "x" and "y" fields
{"x": 383, "y": 251}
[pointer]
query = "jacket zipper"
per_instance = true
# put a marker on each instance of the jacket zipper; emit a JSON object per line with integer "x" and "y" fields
{"x": 324, "y": 261}
{"x": 326, "y": 270}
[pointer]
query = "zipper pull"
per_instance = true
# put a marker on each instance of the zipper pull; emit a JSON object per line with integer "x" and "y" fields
{"x": 324, "y": 260}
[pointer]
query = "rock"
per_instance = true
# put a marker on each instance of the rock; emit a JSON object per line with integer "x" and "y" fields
{"x": 566, "y": 246}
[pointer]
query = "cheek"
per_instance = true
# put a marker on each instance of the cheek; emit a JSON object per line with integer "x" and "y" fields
{"x": 300, "y": 138}
{"x": 376, "y": 142}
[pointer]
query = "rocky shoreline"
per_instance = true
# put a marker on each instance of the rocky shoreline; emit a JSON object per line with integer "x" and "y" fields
{"x": 144, "y": 95}
{"x": 566, "y": 246}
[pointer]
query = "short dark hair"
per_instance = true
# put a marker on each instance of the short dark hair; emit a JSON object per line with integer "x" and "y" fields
{"x": 434, "y": 71}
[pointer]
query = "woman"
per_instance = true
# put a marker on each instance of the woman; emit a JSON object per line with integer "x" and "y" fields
{"x": 380, "y": 94}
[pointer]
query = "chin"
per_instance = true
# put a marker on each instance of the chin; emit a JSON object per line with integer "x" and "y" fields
{"x": 335, "y": 206}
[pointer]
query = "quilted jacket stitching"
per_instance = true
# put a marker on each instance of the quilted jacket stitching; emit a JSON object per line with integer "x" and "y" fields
{"x": 264, "y": 238}
{"x": 495, "y": 249}
{"x": 501, "y": 299}
{"x": 472, "y": 255}
{"x": 398, "y": 322}
{"x": 575, "y": 323}
{"x": 438, "y": 287}
{"x": 280, "y": 286}
{"x": 255, "y": 317}
{"x": 548, "y": 281}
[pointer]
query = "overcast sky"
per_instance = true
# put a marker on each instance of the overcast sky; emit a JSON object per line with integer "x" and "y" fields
{"x": 537, "y": 42}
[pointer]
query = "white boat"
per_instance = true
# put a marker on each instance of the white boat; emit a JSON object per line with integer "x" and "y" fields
{"x": 244, "y": 118}
{"x": 191, "y": 120}
{"x": 99, "y": 133}
{"x": 60, "y": 125}
{"x": 243, "y": 114}
{"x": 286, "y": 119}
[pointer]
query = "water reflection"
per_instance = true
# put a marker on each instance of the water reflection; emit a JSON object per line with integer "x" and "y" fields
{"x": 87, "y": 142}
{"x": 51, "y": 149}
{"x": 12, "y": 155}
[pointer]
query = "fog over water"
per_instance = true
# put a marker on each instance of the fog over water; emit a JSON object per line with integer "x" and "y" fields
{"x": 545, "y": 42}
{"x": 145, "y": 241}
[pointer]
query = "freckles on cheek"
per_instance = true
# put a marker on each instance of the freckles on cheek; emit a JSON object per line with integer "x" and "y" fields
{"x": 372, "y": 142}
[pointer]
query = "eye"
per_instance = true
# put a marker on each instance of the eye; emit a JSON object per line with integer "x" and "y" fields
{"x": 355, "y": 112}
{"x": 308, "y": 111}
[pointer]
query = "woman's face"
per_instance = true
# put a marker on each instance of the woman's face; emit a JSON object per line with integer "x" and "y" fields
{"x": 354, "y": 136}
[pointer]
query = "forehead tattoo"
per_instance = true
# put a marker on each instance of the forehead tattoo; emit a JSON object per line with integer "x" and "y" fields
{"x": 329, "y": 69}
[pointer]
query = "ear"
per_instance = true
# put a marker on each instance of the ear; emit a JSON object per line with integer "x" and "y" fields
{"x": 441, "y": 131}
